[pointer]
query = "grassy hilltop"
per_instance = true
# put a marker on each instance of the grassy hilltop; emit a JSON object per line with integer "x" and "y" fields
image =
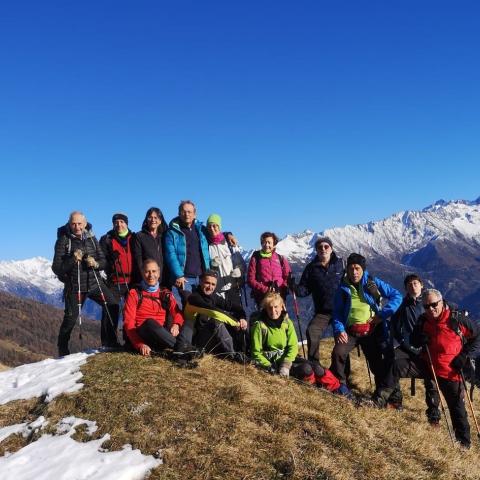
{"x": 228, "y": 421}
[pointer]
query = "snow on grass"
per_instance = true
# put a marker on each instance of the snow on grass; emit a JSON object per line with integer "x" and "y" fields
{"x": 24, "y": 428}
{"x": 61, "y": 457}
{"x": 47, "y": 378}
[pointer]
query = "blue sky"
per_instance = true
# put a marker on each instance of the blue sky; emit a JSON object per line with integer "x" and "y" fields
{"x": 277, "y": 115}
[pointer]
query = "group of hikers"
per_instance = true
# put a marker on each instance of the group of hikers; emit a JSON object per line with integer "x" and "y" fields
{"x": 181, "y": 287}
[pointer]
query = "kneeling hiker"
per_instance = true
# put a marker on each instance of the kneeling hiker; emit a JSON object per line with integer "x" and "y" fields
{"x": 274, "y": 345}
{"x": 217, "y": 321}
{"x": 448, "y": 339}
{"x": 146, "y": 311}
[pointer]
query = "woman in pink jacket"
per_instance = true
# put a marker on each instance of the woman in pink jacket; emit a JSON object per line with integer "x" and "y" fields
{"x": 268, "y": 271}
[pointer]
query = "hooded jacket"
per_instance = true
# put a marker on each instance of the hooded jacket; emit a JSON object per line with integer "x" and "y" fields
{"x": 342, "y": 301}
{"x": 64, "y": 264}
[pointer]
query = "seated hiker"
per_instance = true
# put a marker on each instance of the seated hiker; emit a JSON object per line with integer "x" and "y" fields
{"x": 146, "y": 311}
{"x": 442, "y": 342}
{"x": 219, "y": 323}
{"x": 274, "y": 346}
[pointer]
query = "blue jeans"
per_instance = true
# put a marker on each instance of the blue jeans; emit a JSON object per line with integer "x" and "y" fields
{"x": 181, "y": 295}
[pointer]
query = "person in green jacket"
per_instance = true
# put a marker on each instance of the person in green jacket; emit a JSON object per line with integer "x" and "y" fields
{"x": 274, "y": 344}
{"x": 274, "y": 347}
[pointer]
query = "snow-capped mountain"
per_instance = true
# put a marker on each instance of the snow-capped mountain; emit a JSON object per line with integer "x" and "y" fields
{"x": 32, "y": 278}
{"x": 402, "y": 234}
{"x": 440, "y": 242}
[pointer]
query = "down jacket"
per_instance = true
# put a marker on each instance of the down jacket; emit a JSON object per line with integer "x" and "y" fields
{"x": 64, "y": 264}
{"x": 263, "y": 271}
{"x": 176, "y": 249}
{"x": 321, "y": 282}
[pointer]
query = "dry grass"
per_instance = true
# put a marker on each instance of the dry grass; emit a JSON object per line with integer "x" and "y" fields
{"x": 224, "y": 421}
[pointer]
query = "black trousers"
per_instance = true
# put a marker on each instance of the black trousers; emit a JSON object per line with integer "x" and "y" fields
{"x": 72, "y": 312}
{"x": 315, "y": 331}
{"x": 155, "y": 336}
{"x": 370, "y": 349}
{"x": 109, "y": 324}
{"x": 411, "y": 366}
{"x": 213, "y": 336}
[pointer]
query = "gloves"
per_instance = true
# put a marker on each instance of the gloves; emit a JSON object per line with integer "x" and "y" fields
{"x": 284, "y": 370}
{"x": 215, "y": 262}
{"x": 459, "y": 361}
{"x": 78, "y": 255}
{"x": 91, "y": 262}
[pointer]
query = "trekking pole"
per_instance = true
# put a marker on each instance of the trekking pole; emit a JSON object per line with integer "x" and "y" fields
{"x": 439, "y": 394}
{"x": 368, "y": 367}
{"x": 123, "y": 274}
{"x": 470, "y": 403}
{"x": 102, "y": 296}
{"x": 79, "y": 302}
{"x": 412, "y": 387}
{"x": 295, "y": 307}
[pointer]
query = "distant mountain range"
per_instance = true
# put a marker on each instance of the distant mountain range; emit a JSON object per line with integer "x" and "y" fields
{"x": 441, "y": 243}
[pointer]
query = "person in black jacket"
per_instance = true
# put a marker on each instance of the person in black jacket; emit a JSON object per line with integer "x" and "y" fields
{"x": 219, "y": 322}
{"x": 321, "y": 278}
{"x": 77, "y": 259}
{"x": 117, "y": 247}
{"x": 148, "y": 243}
{"x": 402, "y": 324}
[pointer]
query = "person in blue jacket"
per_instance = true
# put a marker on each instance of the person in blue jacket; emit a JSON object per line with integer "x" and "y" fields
{"x": 362, "y": 307}
{"x": 186, "y": 250}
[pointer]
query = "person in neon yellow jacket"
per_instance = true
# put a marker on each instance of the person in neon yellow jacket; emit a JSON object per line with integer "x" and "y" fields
{"x": 274, "y": 347}
{"x": 274, "y": 343}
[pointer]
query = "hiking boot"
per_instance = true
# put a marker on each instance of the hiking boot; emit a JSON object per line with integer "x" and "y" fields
{"x": 434, "y": 422}
{"x": 343, "y": 391}
{"x": 376, "y": 401}
{"x": 465, "y": 445}
{"x": 395, "y": 406}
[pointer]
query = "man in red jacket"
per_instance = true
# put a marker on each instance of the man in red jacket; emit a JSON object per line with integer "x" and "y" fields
{"x": 451, "y": 338}
{"x": 147, "y": 310}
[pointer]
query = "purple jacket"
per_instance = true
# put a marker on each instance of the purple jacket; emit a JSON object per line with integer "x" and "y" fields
{"x": 263, "y": 271}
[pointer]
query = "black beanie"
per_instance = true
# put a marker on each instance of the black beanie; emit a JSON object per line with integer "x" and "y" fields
{"x": 120, "y": 216}
{"x": 356, "y": 258}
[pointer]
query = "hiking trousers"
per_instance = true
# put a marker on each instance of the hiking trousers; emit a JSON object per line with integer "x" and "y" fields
{"x": 315, "y": 331}
{"x": 72, "y": 313}
{"x": 370, "y": 349}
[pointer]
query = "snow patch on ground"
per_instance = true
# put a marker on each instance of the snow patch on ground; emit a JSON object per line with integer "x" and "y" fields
{"x": 47, "y": 378}
{"x": 25, "y": 429}
{"x": 62, "y": 458}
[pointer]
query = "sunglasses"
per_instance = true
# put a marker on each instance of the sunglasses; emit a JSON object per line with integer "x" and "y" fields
{"x": 431, "y": 305}
{"x": 323, "y": 246}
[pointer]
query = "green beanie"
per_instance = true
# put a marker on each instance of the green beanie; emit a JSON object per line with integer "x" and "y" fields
{"x": 215, "y": 218}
